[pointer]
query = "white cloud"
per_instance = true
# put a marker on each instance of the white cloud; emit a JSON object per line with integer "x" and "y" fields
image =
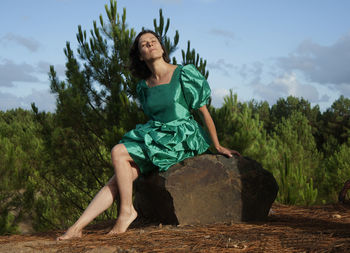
{"x": 43, "y": 99}
{"x": 344, "y": 89}
{"x": 217, "y": 96}
{"x": 223, "y": 66}
{"x": 11, "y": 72}
{"x": 326, "y": 65}
{"x": 251, "y": 72}
{"x": 307, "y": 72}
{"x": 8, "y": 101}
{"x": 270, "y": 92}
{"x": 29, "y": 43}
{"x": 288, "y": 85}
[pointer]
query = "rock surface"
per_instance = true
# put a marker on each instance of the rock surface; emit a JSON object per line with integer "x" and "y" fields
{"x": 207, "y": 189}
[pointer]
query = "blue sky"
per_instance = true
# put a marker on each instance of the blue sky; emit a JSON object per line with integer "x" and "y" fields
{"x": 262, "y": 49}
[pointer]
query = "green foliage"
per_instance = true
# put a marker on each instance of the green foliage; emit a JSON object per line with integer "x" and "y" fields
{"x": 335, "y": 125}
{"x": 298, "y": 160}
{"x": 262, "y": 108}
{"x": 294, "y": 186}
{"x": 240, "y": 129}
{"x": 336, "y": 172}
{"x": 20, "y": 157}
{"x": 285, "y": 107}
{"x": 7, "y": 222}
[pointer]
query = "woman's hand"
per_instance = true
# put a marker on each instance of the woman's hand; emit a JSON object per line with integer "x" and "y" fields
{"x": 209, "y": 123}
{"x": 227, "y": 152}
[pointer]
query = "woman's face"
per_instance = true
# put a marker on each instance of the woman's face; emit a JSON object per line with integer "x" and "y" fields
{"x": 150, "y": 47}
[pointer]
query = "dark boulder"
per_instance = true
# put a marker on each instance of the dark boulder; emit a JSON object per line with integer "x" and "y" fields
{"x": 207, "y": 189}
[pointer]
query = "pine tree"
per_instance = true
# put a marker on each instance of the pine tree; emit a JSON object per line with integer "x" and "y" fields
{"x": 262, "y": 108}
{"x": 285, "y": 107}
{"x": 297, "y": 161}
{"x": 238, "y": 128}
{"x": 336, "y": 172}
{"x": 21, "y": 151}
{"x": 335, "y": 125}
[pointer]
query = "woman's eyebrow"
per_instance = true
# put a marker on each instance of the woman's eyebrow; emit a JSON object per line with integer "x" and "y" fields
{"x": 143, "y": 41}
{"x": 151, "y": 38}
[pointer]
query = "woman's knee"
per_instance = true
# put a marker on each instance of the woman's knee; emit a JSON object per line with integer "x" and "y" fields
{"x": 119, "y": 151}
{"x": 121, "y": 154}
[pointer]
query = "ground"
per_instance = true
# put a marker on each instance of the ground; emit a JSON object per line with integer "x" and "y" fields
{"x": 288, "y": 229}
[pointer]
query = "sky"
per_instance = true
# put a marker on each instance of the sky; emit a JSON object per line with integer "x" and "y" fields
{"x": 261, "y": 49}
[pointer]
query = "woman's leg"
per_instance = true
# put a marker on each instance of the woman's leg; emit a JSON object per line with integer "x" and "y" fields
{"x": 126, "y": 171}
{"x": 105, "y": 198}
{"x": 100, "y": 203}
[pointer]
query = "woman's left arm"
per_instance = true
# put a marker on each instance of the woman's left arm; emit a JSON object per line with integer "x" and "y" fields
{"x": 208, "y": 121}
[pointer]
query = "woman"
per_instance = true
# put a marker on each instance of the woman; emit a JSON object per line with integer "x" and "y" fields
{"x": 167, "y": 94}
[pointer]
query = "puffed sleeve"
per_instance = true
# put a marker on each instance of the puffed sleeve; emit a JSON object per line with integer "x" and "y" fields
{"x": 195, "y": 87}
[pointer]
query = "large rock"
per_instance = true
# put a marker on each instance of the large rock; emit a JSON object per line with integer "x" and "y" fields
{"x": 207, "y": 189}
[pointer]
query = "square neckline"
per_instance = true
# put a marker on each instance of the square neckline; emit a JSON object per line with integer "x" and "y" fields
{"x": 171, "y": 79}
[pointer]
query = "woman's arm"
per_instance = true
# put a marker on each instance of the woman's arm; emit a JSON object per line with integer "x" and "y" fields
{"x": 208, "y": 121}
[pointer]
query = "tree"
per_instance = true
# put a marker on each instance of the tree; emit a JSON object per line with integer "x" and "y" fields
{"x": 297, "y": 160}
{"x": 20, "y": 157}
{"x": 335, "y": 125}
{"x": 262, "y": 108}
{"x": 336, "y": 171}
{"x": 240, "y": 129}
{"x": 285, "y": 107}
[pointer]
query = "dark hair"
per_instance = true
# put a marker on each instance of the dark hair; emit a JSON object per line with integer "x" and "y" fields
{"x": 139, "y": 68}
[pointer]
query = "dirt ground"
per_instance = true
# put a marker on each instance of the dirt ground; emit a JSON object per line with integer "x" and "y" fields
{"x": 288, "y": 229}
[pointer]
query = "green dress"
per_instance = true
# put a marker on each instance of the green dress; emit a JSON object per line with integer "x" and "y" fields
{"x": 171, "y": 135}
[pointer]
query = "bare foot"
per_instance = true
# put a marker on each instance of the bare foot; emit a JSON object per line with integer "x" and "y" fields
{"x": 70, "y": 234}
{"x": 123, "y": 222}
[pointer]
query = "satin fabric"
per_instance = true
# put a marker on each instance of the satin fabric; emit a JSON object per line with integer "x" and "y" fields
{"x": 171, "y": 135}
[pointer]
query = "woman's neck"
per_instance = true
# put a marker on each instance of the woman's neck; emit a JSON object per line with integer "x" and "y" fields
{"x": 161, "y": 72}
{"x": 159, "y": 69}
